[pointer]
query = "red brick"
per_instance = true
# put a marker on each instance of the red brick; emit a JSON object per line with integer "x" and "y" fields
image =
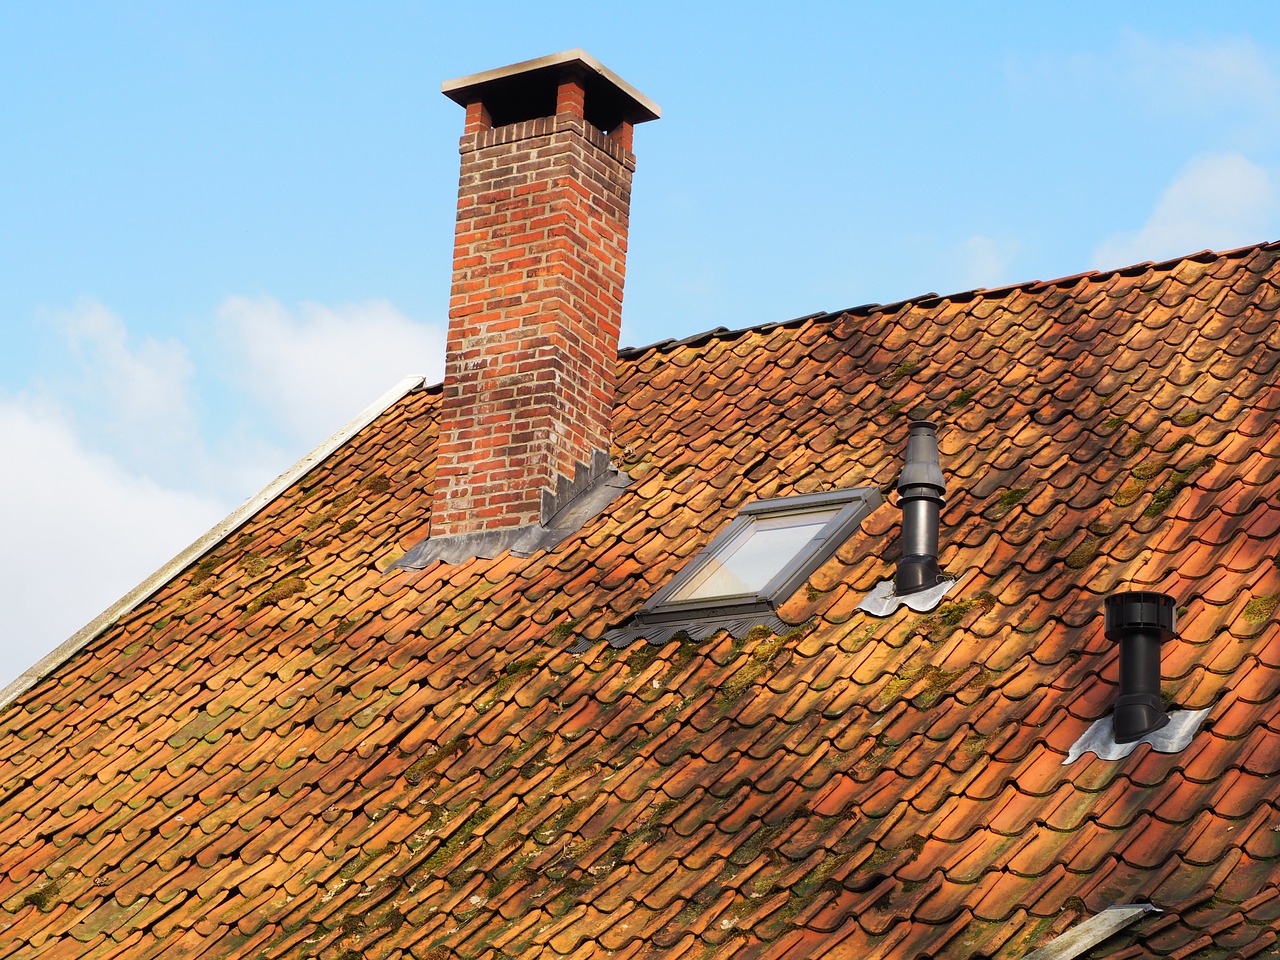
{"x": 535, "y": 198}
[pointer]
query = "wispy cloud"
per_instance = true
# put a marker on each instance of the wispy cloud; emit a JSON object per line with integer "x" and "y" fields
{"x": 131, "y": 395}
{"x": 1218, "y": 201}
{"x": 1233, "y": 75}
{"x": 982, "y": 261}
{"x": 314, "y": 368}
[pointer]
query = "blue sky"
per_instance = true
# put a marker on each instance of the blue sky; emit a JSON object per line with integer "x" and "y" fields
{"x": 227, "y": 226}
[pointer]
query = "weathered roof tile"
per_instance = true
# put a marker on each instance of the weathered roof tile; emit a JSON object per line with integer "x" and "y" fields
{"x": 409, "y": 764}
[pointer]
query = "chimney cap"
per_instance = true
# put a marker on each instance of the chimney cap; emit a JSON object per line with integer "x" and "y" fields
{"x": 507, "y": 91}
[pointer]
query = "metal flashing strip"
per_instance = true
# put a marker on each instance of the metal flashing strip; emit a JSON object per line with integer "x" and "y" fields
{"x": 521, "y": 541}
{"x": 697, "y": 629}
{"x": 1173, "y": 737}
{"x": 1092, "y": 932}
{"x": 882, "y": 600}
{"x": 233, "y": 521}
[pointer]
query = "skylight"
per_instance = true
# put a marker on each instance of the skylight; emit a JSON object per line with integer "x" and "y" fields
{"x": 752, "y": 557}
{"x": 755, "y": 563}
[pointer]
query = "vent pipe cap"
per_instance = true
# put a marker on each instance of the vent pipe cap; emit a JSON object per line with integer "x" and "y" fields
{"x": 922, "y": 466}
{"x": 1140, "y": 610}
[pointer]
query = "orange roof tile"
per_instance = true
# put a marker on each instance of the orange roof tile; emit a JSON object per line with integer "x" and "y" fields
{"x": 293, "y": 749}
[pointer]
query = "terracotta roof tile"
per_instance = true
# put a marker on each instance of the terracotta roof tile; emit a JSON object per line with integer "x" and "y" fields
{"x": 291, "y": 750}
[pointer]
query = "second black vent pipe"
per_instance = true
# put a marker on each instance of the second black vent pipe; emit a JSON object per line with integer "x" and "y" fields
{"x": 1139, "y": 621}
{"x": 921, "y": 491}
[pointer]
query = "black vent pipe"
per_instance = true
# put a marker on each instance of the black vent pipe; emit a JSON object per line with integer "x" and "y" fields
{"x": 1139, "y": 622}
{"x": 920, "y": 494}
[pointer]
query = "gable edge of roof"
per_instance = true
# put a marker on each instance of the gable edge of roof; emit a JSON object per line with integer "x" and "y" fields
{"x": 211, "y": 538}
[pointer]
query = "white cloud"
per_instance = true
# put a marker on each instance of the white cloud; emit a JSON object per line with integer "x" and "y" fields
{"x": 981, "y": 261}
{"x": 144, "y": 386}
{"x": 1231, "y": 72}
{"x": 80, "y": 531}
{"x": 1218, "y": 201}
{"x": 1228, "y": 80}
{"x": 316, "y": 368}
{"x": 128, "y": 395}
{"x": 109, "y": 472}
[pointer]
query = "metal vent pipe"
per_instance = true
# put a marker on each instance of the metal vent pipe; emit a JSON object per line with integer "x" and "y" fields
{"x": 921, "y": 492}
{"x": 1139, "y": 622}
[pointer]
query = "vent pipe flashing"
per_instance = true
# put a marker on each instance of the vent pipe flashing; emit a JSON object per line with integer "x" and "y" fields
{"x": 1139, "y": 622}
{"x": 921, "y": 491}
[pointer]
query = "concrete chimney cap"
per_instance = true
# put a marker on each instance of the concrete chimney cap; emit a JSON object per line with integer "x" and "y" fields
{"x": 618, "y": 99}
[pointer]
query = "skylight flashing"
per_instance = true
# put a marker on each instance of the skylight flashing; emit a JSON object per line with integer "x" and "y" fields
{"x": 759, "y": 560}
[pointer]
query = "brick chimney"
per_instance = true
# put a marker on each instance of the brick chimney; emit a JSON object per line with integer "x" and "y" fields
{"x": 536, "y": 304}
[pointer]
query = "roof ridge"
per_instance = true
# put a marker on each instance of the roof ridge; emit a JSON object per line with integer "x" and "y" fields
{"x": 866, "y": 309}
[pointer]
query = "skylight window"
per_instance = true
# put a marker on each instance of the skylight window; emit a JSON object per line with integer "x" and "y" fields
{"x": 752, "y": 557}
{"x": 755, "y": 563}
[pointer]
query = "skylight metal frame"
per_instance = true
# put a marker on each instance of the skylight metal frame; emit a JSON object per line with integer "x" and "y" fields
{"x": 854, "y": 505}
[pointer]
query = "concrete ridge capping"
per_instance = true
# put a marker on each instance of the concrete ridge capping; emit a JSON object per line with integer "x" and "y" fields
{"x": 644, "y": 108}
{"x": 1092, "y": 932}
{"x": 216, "y": 534}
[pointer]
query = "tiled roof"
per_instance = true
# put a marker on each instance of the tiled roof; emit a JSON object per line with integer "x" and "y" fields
{"x": 290, "y": 752}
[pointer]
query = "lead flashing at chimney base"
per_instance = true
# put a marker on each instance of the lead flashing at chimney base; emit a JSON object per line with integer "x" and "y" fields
{"x": 535, "y": 308}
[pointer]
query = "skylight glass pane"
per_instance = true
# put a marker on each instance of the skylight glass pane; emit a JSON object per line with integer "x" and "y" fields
{"x": 754, "y": 557}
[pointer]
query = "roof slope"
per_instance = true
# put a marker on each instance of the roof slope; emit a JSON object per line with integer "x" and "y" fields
{"x": 287, "y": 752}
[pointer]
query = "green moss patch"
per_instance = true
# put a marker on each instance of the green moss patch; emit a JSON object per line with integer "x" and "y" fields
{"x": 1084, "y": 553}
{"x": 278, "y": 591}
{"x": 375, "y": 483}
{"x": 444, "y": 854}
{"x": 902, "y": 371}
{"x": 204, "y": 569}
{"x": 759, "y": 663}
{"x": 1128, "y": 493}
{"x": 561, "y": 633}
{"x": 424, "y": 765}
{"x": 1172, "y": 486}
{"x": 944, "y": 621}
{"x": 1187, "y": 418}
{"x": 641, "y": 655}
{"x": 513, "y": 673}
{"x": 253, "y": 564}
{"x": 335, "y": 507}
{"x": 1259, "y": 609}
{"x": 1012, "y": 496}
{"x": 645, "y": 833}
{"x": 44, "y": 897}
{"x": 974, "y": 745}
{"x": 1148, "y": 471}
